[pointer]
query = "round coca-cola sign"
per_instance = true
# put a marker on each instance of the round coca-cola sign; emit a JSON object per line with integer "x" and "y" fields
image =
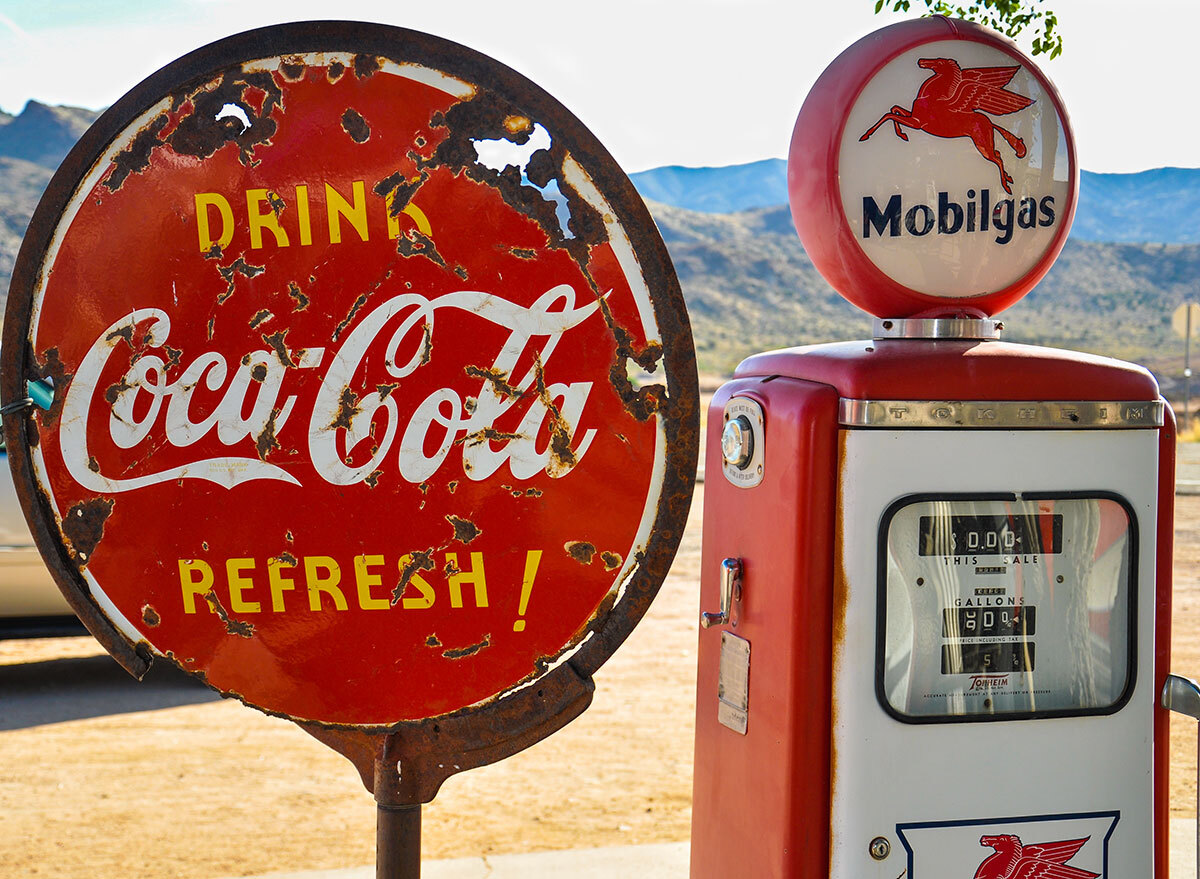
{"x": 345, "y": 325}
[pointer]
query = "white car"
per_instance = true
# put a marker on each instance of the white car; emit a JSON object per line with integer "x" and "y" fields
{"x": 30, "y": 603}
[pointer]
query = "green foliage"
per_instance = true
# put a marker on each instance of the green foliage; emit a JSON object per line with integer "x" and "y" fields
{"x": 1010, "y": 17}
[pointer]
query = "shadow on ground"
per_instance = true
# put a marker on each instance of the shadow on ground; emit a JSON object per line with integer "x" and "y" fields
{"x": 57, "y": 690}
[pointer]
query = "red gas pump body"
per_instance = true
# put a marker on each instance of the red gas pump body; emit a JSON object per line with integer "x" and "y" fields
{"x": 761, "y": 803}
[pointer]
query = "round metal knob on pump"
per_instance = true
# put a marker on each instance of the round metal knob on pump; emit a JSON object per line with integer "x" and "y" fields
{"x": 737, "y": 442}
{"x": 743, "y": 442}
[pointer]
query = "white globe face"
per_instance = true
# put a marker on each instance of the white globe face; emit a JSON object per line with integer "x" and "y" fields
{"x": 954, "y": 169}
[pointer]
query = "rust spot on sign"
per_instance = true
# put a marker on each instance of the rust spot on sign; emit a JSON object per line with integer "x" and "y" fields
{"x": 517, "y": 124}
{"x": 276, "y": 342}
{"x": 113, "y": 391}
{"x": 51, "y": 367}
{"x": 150, "y": 616}
{"x": 562, "y": 456}
{"x": 347, "y": 409}
{"x": 427, "y": 344}
{"x": 358, "y": 303}
{"x": 201, "y": 133}
{"x": 336, "y": 69}
{"x": 487, "y": 116}
{"x": 365, "y": 65}
{"x": 287, "y": 558}
{"x": 232, "y": 626}
{"x": 266, "y": 442}
{"x": 498, "y": 379}
{"x": 230, "y": 272}
{"x": 83, "y": 527}
{"x": 413, "y": 243}
{"x": 260, "y": 318}
{"x": 419, "y": 561}
{"x": 581, "y": 551}
{"x": 482, "y": 436}
{"x": 356, "y": 126}
{"x": 464, "y": 531}
{"x": 292, "y": 69}
{"x": 125, "y": 332}
{"x": 401, "y": 190}
{"x": 295, "y": 292}
{"x": 641, "y": 403}
{"x": 471, "y": 650}
{"x": 611, "y": 560}
{"x": 432, "y": 641}
{"x": 136, "y": 157}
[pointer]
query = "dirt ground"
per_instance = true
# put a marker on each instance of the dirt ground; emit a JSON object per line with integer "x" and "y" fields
{"x": 211, "y": 788}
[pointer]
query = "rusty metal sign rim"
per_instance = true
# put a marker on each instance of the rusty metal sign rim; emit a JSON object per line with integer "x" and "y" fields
{"x": 520, "y": 716}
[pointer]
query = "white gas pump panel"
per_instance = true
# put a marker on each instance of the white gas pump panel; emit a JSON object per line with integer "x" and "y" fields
{"x": 1006, "y": 576}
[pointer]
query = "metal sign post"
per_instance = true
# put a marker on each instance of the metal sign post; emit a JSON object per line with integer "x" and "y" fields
{"x": 340, "y": 321}
{"x": 1185, "y": 322}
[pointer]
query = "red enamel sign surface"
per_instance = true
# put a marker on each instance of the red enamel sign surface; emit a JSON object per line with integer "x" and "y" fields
{"x": 341, "y": 346}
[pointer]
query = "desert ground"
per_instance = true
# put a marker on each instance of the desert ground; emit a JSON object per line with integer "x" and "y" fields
{"x": 103, "y": 778}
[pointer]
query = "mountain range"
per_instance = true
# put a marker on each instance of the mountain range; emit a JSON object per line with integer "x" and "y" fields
{"x": 1132, "y": 258}
{"x": 31, "y": 146}
{"x": 1161, "y": 206}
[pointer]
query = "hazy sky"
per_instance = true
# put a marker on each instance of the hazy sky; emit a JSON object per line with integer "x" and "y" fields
{"x": 660, "y": 82}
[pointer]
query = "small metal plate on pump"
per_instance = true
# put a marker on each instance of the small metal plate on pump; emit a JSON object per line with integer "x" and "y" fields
{"x": 742, "y": 442}
{"x": 733, "y": 683}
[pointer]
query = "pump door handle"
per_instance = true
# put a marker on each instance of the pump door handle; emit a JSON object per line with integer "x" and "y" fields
{"x": 731, "y": 588}
{"x": 1182, "y": 696}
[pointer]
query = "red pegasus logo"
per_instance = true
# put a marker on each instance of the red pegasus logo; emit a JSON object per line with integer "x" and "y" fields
{"x": 1046, "y": 860}
{"x": 952, "y": 103}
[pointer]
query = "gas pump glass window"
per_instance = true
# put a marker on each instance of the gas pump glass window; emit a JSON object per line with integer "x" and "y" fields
{"x": 1003, "y": 607}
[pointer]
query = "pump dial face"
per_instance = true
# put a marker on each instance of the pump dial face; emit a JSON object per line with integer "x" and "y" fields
{"x": 1004, "y": 608}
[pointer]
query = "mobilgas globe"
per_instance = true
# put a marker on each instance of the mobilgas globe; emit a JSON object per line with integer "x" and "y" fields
{"x": 945, "y": 170}
{"x": 954, "y": 169}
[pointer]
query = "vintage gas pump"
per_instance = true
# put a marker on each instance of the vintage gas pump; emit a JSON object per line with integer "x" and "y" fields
{"x": 936, "y": 574}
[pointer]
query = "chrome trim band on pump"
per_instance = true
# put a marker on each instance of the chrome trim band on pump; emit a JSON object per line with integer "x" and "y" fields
{"x": 1002, "y": 414}
{"x": 936, "y": 328}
